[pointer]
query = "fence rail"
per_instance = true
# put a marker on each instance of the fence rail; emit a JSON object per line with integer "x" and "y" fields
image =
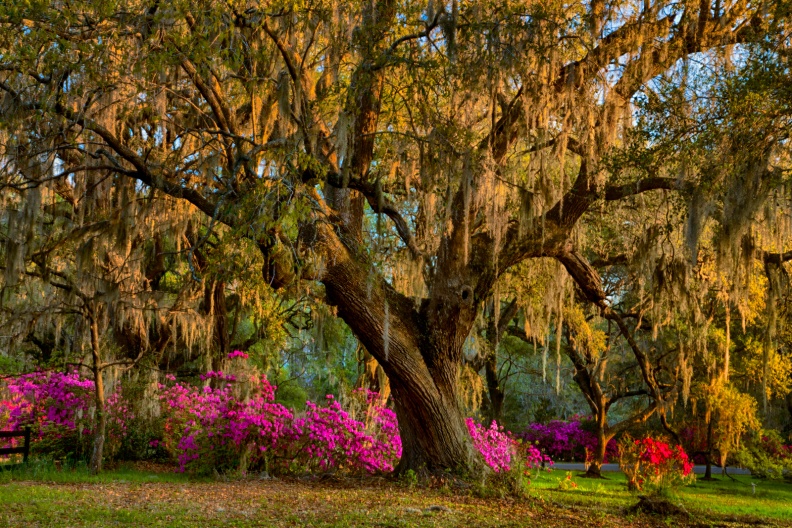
{"x": 24, "y": 450}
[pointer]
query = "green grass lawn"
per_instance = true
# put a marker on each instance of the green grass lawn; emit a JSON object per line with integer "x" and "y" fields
{"x": 142, "y": 495}
{"x": 722, "y": 498}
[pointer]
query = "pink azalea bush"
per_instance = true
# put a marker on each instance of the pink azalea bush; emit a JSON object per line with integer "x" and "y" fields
{"x": 213, "y": 428}
{"x": 568, "y": 441}
{"x": 501, "y": 450}
{"x": 494, "y": 444}
{"x": 232, "y": 422}
{"x": 330, "y": 437}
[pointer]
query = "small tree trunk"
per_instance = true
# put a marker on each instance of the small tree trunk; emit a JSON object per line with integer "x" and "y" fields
{"x": 496, "y": 394}
{"x": 789, "y": 404}
{"x": 97, "y": 452}
{"x": 598, "y": 455}
{"x": 215, "y": 302}
{"x": 708, "y": 473}
{"x": 723, "y": 456}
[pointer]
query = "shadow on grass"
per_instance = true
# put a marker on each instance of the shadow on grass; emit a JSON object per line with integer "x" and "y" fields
{"x": 43, "y": 470}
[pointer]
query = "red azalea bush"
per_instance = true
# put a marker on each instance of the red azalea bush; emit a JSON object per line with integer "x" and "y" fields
{"x": 652, "y": 463}
{"x": 772, "y": 444}
{"x": 766, "y": 454}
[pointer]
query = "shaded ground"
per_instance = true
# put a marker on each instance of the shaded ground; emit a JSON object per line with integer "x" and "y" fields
{"x": 147, "y": 498}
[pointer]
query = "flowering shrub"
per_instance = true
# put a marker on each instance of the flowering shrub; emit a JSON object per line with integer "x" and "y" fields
{"x": 500, "y": 449}
{"x": 119, "y": 416}
{"x": 568, "y": 441}
{"x": 534, "y": 458}
{"x": 217, "y": 376}
{"x": 57, "y": 406}
{"x": 653, "y": 463}
{"x": 232, "y": 424}
{"x": 494, "y": 445}
{"x": 332, "y": 438}
{"x": 238, "y": 354}
{"x": 208, "y": 429}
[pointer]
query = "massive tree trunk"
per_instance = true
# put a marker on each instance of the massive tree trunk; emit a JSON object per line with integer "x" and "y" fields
{"x": 420, "y": 350}
{"x": 423, "y": 378}
{"x": 433, "y": 430}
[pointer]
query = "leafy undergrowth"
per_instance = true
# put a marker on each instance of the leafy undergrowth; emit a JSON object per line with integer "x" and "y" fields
{"x": 147, "y": 496}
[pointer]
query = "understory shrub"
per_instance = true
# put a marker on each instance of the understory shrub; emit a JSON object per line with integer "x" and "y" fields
{"x": 511, "y": 459}
{"x": 231, "y": 423}
{"x": 654, "y": 464}
{"x": 214, "y": 429}
{"x": 503, "y": 452}
{"x": 766, "y": 455}
{"x": 570, "y": 441}
{"x": 57, "y": 406}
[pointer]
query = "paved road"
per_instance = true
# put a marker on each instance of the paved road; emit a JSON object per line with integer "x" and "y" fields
{"x": 698, "y": 470}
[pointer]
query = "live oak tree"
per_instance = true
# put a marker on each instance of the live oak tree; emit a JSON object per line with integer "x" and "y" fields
{"x": 403, "y": 155}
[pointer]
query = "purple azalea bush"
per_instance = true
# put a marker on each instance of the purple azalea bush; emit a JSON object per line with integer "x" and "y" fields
{"x": 568, "y": 441}
{"x": 57, "y": 406}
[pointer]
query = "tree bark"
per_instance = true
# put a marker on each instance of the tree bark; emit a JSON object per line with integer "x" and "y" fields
{"x": 215, "y": 306}
{"x": 598, "y": 456}
{"x": 789, "y": 404}
{"x": 434, "y": 435}
{"x": 708, "y": 472}
{"x": 373, "y": 377}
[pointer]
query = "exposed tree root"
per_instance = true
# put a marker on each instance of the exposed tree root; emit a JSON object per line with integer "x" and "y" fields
{"x": 652, "y": 504}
